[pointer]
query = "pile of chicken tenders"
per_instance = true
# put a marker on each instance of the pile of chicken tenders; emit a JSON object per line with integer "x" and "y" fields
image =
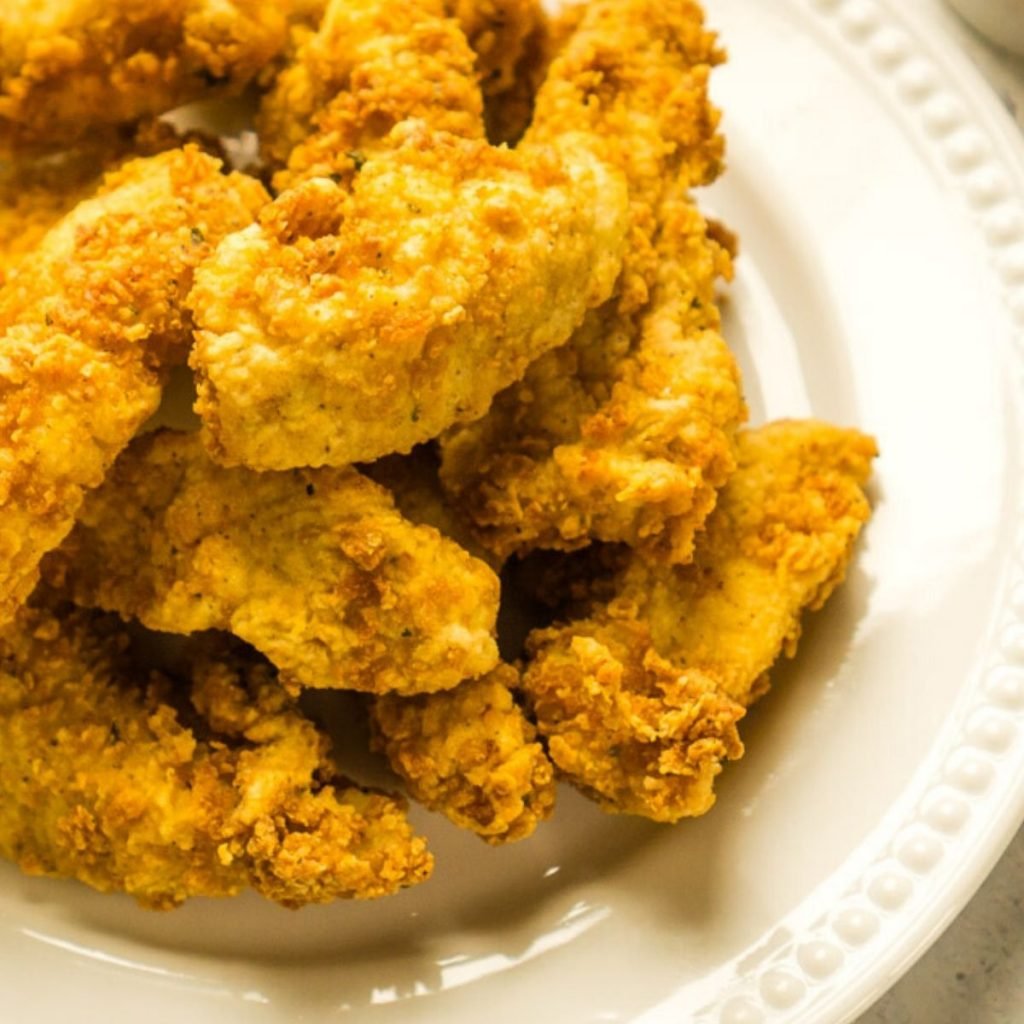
{"x": 457, "y": 321}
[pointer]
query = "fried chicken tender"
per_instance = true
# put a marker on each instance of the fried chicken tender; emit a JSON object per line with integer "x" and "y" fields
{"x": 597, "y": 443}
{"x": 625, "y": 434}
{"x": 315, "y": 569}
{"x": 109, "y": 777}
{"x": 67, "y": 67}
{"x": 350, "y": 324}
{"x": 89, "y": 322}
{"x": 470, "y": 754}
{"x": 638, "y": 702}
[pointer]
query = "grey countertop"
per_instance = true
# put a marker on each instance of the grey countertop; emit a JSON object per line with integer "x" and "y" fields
{"x": 974, "y": 974}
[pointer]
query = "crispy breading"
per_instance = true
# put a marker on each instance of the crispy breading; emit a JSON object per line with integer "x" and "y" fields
{"x": 638, "y": 701}
{"x": 367, "y": 67}
{"x": 67, "y": 66}
{"x": 778, "y": 547}
{"x": 37, "y": 190}
{"x": 89, "y": 322}
{"x": 407, "y": 57}
{"x": 347, "y": 325}
{"x": 316, "y": 569}
{"x": 626, "y": 727}
{"x": 626, "y": 433}
{"x": 111, "y": 778}
{"x": 35, "y": 194}
{"x": 470, "y": 754}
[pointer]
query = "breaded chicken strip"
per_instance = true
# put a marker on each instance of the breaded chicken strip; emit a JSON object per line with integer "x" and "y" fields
{"x": 638, "y": 701}
{"x": 352, "y": 323}
{"x": 111, "y": 778}
{"x": 316, "y": 569}
{"x": 67, "y": 66}
{"x": 626, "y": 433}
{"x": 345, "y": 55}
{"x": 623, "y": 435}
{"x": 88, "y": 324}
{"x": 470, "y": 754}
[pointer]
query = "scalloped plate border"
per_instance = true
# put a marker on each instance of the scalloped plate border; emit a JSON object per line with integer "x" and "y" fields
{"x": 970, "y": 794}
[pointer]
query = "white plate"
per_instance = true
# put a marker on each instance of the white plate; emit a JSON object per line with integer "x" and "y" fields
{"x": 879, "y": 193}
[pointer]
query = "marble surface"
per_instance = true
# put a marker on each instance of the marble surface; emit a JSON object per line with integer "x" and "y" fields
{"x": 974, "y": 974}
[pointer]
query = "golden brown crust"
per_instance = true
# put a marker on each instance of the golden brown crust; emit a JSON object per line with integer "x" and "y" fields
{"x": 68, "y": 67}
{"x": 409, "y": 270}
{"x": 316, "y": 569}
{"x": 366, "y": 68}
{"x": 88, "y": 324}
{"x": 470, "y": 754}
{"x": 107, "y": 780}
{"x": 777, "y": 545}
{"x": 347, "y": 325}
{"x": 420, "y": 47}
{"x": 414, "y": 484}
{"x": 37, "y": 190}
{"x": 625, "y": 433}
{"x": 693, "y": 644}
{"x": 625, "y": 726}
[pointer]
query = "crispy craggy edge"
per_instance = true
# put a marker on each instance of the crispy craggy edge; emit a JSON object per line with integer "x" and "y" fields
{"x": 470, "y": 754}
{"x": 638, "y": 697}
{"x": 129, "y": 781}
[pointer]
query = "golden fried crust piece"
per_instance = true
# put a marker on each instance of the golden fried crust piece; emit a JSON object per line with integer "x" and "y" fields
{"x": 66, "y": 67}
{"x": 407, "y": 53}
{"x": 624, "y": 434}
{"x": 777, "y": 546}
{"x": 88, "y": 323}
{"x": 369, "y": 66}
{"x": 348, "y": 325}
{"x": 316, "y": 569}
{"x": 37, "y": 190}
{"x": 470, "y": 754}
{"x": 108, "y": 779}
{"x": 629, "y": 729}
{"x": 691, "y": 645}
